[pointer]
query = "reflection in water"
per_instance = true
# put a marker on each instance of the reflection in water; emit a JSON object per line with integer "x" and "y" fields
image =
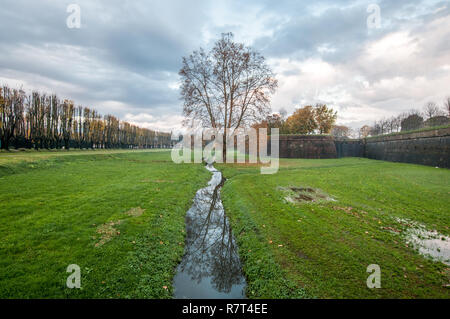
{"x": 429, "y": 243}
{"x": 210, "y": 267}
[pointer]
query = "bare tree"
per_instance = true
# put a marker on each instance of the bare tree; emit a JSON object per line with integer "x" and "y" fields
{"x": 11, "y": 113}
{"x": 226, "y": 88}
{"x": 399, "y": 120}
{"x": 393, "y": 124}
{"x": 447, "y": 106}
{"x": 384, "y": 125}
{"x": 364, "y": 131}
{"x": 375, "y": 129}
{"x": 44, "y": 121}
{"x": 431, "y": 110}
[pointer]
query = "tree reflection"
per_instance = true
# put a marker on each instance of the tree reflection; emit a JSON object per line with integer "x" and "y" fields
{"x": 210, "y": 247}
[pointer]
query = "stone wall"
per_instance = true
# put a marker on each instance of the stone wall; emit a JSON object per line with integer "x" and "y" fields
{"x": 349, "y": 148}
{"x": 427, "y": 148}
{"x": 307, "y": 146}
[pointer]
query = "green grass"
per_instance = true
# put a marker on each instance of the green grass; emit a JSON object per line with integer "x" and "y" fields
{"x": 52, "y": 203}
{"x": 326, "y": 246}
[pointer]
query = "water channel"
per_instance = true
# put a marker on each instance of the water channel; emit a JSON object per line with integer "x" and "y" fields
{"x": 210, "y": 267}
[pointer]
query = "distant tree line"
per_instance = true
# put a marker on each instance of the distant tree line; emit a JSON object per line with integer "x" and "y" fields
{"x": 431, "y": 115}
{"x": 43, "y": 121}
{"x": 318, "y": 119}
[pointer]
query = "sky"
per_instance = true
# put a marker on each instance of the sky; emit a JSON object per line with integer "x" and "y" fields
{"x": 366, "y": 59}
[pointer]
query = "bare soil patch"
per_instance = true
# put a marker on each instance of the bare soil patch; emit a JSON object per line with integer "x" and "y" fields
{"x": 107, "y": 232}
{"x": 296, "y": 194}
{"x": 135, "y": 212}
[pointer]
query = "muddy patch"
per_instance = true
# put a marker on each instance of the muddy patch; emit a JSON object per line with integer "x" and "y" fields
{"x": 295, "y": 195}
{"x": 428, "y": 243}
{"x": 107, "y": 232}
{"x": 135, "y": 212}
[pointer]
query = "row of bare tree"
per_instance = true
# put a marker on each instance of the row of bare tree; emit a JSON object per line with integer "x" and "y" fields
{"x": 43, "y": 121}
{"x": 431, "y": 115}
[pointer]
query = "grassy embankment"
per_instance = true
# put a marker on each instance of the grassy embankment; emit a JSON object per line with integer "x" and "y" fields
{"x": 322, "y": 249}
{"x": 119, "y": 215}
{"x": 58, "y": 210}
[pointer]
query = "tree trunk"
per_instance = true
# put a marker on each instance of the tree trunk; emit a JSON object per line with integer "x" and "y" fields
{"x": 224, "y": 148}
{"x": 5, "y": 143}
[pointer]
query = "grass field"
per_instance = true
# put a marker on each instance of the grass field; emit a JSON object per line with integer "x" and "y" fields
{"x": 118, "y": 215}
{"x": 322, "y": 249}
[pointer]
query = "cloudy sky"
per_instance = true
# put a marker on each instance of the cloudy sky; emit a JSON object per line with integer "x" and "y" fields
{"x": 125, "y": 57}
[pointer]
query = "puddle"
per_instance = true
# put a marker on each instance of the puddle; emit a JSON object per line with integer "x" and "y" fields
{"x": 428, "y": 243}
{"x": 210, "y": 267}
{"x": 305, "y": 194}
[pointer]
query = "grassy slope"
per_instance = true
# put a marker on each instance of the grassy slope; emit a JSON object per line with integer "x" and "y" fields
{"x": 51, "y": 206}
{"x": 326, "y": 249}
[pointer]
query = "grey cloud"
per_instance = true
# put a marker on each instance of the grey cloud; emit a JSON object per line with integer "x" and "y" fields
{"x": 129, "y": 52}
{"x": 335, "y": 27}
{"x": 139, "y": 49}
{"x": 342, "y": 27}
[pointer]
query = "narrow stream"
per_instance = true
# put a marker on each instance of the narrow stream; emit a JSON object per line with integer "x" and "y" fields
{"x": 210, "y": 267}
